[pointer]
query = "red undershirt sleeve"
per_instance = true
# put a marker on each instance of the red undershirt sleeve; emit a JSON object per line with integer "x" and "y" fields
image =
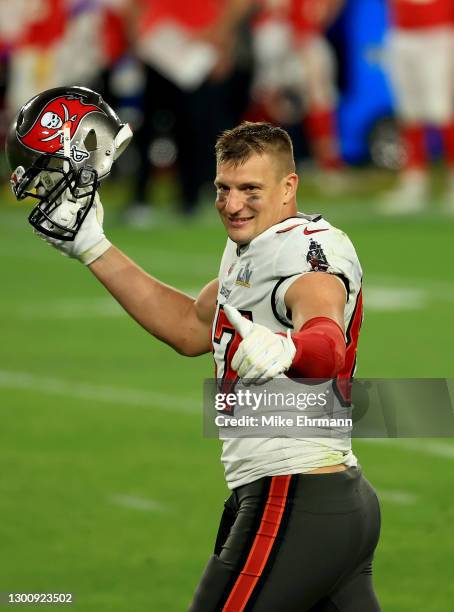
{"x": 320, "y": 349}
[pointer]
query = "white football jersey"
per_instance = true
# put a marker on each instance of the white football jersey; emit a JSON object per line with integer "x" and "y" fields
{"x": 254, "y": 278}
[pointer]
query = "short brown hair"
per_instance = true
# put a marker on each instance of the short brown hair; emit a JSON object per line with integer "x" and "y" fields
{"x": 237, "y": 145}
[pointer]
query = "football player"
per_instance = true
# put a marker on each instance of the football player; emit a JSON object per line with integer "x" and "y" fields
{"x": 207, "y": 34}
{"x": 301, "y": 525}
{"x": 40, "y": 27}
{"x": 421, "y": 54}
{"x": 293, "y": 55}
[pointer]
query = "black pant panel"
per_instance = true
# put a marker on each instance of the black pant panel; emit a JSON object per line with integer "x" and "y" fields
{"x": 320, "y": 560}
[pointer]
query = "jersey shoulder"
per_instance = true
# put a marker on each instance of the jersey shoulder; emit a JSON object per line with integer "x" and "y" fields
{"x": 312, "y": 244}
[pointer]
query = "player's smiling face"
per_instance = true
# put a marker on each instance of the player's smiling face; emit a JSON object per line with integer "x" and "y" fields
{"x": 253, "y": 196}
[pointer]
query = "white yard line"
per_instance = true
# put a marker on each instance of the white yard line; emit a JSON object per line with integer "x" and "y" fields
{"x": 392, "y": 298}
{"x": 400, "y": 498}
{"x": 436, "y": 449}
{"x": 197, "y": 262}
{"x": 421, "y": 446}
{"x": 69, "y": 308}
{"x": 161, "y": 261}
{"x": 87, "y": 391}
{"x": 437, "y": 288}
{"x": 379, "y": 298}
{"x": 104, "y": 307}
{"x": 137, "y": 503}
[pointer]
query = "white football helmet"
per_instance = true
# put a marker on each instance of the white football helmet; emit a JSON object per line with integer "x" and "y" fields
{"x": 61, "y": 145}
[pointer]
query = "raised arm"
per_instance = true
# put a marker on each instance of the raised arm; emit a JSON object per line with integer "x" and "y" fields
{"x": 168, "y": 314}
{"x": 165, "y": 312}
{"x": 76, "y": 137}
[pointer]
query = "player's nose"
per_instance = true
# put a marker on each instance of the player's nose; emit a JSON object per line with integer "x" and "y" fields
{"x": 234, "y": 202}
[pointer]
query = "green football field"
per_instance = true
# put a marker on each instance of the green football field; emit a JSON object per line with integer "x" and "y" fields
{"x": 108, "y": 488}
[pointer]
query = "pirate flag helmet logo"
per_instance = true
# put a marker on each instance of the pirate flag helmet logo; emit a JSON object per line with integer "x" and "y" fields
{"x": 46, "y": 134}
{"x": 63, "y": 141}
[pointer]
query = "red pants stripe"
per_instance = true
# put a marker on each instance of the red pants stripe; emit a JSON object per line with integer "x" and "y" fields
{"x": 262, "y": 545}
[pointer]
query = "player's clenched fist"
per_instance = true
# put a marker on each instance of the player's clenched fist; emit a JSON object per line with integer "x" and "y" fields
{"x": 262, "y": 354}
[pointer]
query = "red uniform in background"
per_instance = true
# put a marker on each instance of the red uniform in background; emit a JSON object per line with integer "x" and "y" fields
{"x": 308, "y": 16}
{"x": 62, "y": 42}
{"x": 293, "y": 54}
{"x": 195, "y": 15}
{"x": 414, "y": 14}
{"x": 422, "y": 72}
{"x": 309, "y": 21}
{"x": 194, "y": 79}
{"x": 182, "y": 40}
{"x": 46, "y": 26}
{"x": 115, "y": 37}
{"x": 34, "y": 57}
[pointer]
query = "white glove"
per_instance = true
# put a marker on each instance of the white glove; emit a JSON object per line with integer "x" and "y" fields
{"x": 90, "y": 241}
{"x": 262, "y": 354}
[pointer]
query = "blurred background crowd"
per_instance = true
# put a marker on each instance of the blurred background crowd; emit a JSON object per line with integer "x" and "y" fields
{"x": 354, "y": 81}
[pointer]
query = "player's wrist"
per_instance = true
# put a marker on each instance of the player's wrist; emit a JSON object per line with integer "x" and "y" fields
{"x": 91, "y": 254}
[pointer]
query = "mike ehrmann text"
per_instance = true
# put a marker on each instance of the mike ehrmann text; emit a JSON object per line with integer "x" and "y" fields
{"x": 300, "y": 420}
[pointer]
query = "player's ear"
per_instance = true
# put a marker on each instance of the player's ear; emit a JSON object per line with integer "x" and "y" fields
{"x": 290, "y": 186}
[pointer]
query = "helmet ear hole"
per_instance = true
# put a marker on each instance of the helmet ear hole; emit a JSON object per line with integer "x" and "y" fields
{"x": 91, "y": 141}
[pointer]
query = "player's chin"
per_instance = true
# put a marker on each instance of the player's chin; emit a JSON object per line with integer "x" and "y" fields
{"x": 240, "y": 235}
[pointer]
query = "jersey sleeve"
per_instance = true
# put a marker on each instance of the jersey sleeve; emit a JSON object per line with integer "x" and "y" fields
{"x": 316, "y": 247}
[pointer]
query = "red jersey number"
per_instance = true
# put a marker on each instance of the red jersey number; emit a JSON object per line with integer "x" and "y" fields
{"x": 229, "y": 376}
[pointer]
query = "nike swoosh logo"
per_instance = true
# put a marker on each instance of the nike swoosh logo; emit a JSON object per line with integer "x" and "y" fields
{"x": 309, "y": 232}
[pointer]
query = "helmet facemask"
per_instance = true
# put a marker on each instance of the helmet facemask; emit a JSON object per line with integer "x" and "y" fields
{"x": 64, "y": 194}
